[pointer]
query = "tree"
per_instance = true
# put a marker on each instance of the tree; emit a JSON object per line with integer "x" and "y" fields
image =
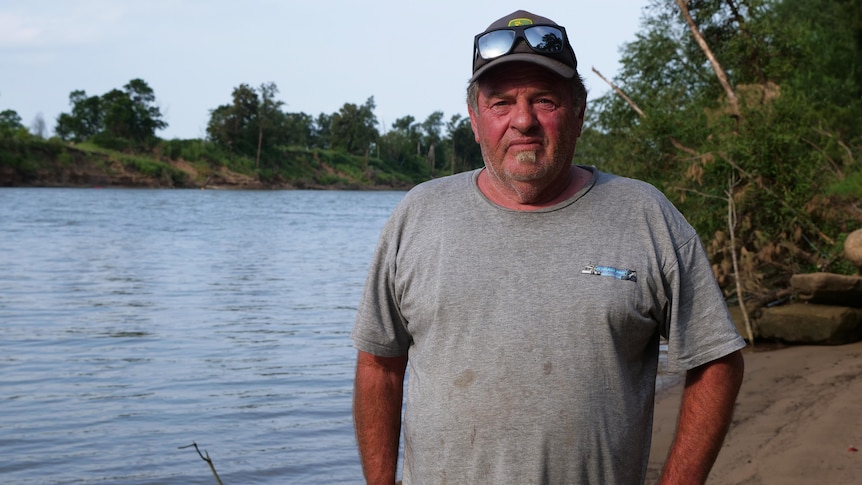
{"x": 10, "y": 121}
{"x": 354, "y": 128}
{"x": 144, "y": 116}
{"x": 234, "y": 126}
{"x": 466, "y": 154}
{"x": 299, "y": 129}
{"x": 431, "y": 137}
{"x": 268, "y": 115}
{"x": 119, "y": 118}
{"x": 85, "y": 120}
{"x": 775, "y": 126}
{"x": 253, "y": 125}
{"x": 321, "y": 132}
{"x": 38, "y": 128}
{"x": 402, "y": 143}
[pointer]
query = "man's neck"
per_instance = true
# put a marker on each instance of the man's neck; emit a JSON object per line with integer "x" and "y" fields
{"x": 529, "y": 197}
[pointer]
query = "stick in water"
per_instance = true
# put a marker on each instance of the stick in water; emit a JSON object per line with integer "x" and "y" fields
{"x": 206, "y": 459}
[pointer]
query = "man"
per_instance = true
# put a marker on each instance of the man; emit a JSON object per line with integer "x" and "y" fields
{"x": 528, "y": 299}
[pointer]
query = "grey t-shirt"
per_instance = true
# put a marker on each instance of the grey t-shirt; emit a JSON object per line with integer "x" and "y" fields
{"x": 533, "y": 337}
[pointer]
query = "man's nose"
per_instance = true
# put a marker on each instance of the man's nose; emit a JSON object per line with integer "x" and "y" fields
{"x": 524, "y": 116}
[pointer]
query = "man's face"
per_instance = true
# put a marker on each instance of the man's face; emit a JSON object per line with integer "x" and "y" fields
{"x": 527, "y": 125}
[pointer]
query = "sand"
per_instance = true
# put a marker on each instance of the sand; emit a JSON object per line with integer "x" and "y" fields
{"x": 798, "y": 419}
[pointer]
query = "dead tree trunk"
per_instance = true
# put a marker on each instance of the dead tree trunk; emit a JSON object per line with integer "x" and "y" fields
{"x": 732, "y": 99}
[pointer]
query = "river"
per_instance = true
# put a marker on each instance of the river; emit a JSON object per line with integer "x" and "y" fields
{"x": 135, "y": 322}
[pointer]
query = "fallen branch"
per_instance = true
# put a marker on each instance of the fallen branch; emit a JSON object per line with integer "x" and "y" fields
{"x": 206, "y": 459}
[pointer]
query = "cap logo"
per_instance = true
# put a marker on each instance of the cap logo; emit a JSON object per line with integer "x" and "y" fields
{"x": 520, "y": 22}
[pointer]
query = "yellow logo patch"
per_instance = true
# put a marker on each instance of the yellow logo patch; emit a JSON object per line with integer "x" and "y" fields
{"x": 520, "y": 22}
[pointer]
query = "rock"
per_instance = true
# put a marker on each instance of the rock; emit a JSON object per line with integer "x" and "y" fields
{"x": 853, "y": 248}
{"x": 810, "y": 324}
{"x": 828, "y": 289}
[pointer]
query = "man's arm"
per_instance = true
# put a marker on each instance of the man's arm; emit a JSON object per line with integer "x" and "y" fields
{"x": 704, "y": 418}
{"x": 377, "y": 397}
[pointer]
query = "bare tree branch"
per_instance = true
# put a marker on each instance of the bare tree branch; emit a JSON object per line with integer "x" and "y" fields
{"x": 622, "y": 94}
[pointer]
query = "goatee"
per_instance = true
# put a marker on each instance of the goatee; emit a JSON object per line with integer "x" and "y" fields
{"x": 526, "y": 157}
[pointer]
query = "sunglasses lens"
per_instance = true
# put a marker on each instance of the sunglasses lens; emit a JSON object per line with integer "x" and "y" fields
{"x": 495, "y": 44}
{"x": 544, "y": 38}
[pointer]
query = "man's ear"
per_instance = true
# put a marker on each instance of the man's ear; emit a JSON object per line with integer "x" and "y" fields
{"x": 473, "y": 122}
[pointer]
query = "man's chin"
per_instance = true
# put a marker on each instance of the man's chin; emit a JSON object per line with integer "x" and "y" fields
{"x": 526, "y": 157}
{"x": 539, "y": 174}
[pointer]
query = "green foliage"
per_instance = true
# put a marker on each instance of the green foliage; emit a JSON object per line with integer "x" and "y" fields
{"x": 850, "y": 187}
{"x": 119, "y": 119}
{"x": 193, "y": 151}
{"x": 336, "y": 168}
{"x": 354, "y": 128}
{"x": 795, "y": 67}
{"x": 10, "y": 122}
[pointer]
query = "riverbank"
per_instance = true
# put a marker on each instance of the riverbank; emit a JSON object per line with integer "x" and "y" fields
{"x": 797, "y": 419}
{"x": 194, "y": 165}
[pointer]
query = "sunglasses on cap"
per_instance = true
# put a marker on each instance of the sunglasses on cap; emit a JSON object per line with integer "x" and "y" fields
{"x": 548, "y": 40}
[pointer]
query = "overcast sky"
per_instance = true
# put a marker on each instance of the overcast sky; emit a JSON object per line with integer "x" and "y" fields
{"x": 413, "y": 57}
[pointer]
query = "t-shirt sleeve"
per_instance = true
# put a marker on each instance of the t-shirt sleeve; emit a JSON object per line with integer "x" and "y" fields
{"x": 698, "y": 327}
{"x": 380, "y": 328}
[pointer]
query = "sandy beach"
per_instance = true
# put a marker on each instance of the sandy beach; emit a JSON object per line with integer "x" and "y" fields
{"x": 798, "y": 420}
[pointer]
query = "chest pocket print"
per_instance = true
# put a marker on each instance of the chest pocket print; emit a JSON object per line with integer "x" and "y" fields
{"x": 617, "y": 273}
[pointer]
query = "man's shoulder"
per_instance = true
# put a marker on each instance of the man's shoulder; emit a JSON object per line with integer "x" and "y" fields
{"x": 621, "y": 184}
{"x": 441, "y": 189}
{"x": 626, "y": 198}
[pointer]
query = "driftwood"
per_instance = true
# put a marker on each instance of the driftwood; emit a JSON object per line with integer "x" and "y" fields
{"x": 206, "y": 459}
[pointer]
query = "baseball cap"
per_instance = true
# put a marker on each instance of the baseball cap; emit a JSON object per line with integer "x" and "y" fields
{"x": 526, "y": 37}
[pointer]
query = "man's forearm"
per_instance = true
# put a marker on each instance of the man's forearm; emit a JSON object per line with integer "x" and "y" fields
{"x": 705, "y": 416}
{"x": 377, "y": 397}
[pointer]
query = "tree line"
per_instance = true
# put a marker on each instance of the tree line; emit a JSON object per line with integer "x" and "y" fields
{"x": 255, "y": 125}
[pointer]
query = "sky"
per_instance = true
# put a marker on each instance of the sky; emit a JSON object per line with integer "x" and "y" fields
{"x": 414, "y": 58}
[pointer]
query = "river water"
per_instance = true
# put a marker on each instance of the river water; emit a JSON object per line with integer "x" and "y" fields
{"x": 135, "y": 322}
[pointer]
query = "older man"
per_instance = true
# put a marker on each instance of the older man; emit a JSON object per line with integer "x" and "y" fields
{"x": 528, "y": 299}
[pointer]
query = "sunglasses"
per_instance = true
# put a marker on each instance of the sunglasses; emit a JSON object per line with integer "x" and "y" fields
{"x": 543, "y": 39}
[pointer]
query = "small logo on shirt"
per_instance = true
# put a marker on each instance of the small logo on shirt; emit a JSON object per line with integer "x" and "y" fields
{"x": 618, "y": 273}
